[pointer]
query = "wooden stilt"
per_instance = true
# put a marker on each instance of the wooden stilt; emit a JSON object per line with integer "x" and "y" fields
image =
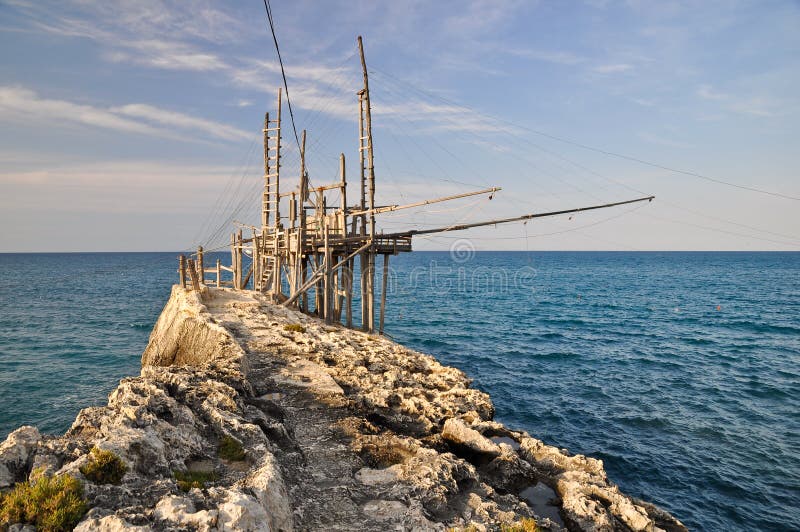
{"x": 182, "y": 270}
{"x": 219, "y": 273}
{"x": 200, "y": 266}
{"x": 193, "y": 276}
{"x": 383, "y": 291}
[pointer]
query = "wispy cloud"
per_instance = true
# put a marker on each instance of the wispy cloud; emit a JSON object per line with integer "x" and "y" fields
{"x": 22, "y": 104}
{"x": 661, "y": 141}
{"x": 615, "y": 68}
{"x": 182, "y": 121}
{"x": 560, "y": 57}
{"x": 749, "y": 105}
{"x": 707, "y": 92}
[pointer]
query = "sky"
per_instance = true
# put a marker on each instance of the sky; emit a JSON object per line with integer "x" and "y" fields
{"x": 136, "y": 126}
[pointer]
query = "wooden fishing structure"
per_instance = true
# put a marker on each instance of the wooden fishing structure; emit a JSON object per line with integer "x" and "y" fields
{"x": 307, "y": 258}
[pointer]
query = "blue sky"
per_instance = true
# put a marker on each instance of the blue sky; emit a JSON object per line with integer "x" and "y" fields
{"x": 123, "y": 124}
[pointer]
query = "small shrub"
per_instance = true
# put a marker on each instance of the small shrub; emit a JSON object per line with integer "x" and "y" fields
{"x": 231, "y": 449}
{"x": 104, "y": 467}
{"x": 294, "y": 327}
{"x": 468, "y": 528}
{"x": 193, "y": 479}
{"x": 523, "y": 525}
{"x": 52, "y": 504}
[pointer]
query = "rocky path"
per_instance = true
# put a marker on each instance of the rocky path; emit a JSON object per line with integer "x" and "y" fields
{"x": 317, "y": 458}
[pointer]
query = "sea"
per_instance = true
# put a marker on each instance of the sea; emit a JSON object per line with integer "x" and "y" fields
{"x": 680, "y": 370}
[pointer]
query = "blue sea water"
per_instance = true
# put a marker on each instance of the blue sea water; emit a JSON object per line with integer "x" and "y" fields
{"x": 681, "y": 371}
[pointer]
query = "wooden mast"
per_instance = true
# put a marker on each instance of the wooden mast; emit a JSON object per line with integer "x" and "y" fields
{"x": 368, "y": 173}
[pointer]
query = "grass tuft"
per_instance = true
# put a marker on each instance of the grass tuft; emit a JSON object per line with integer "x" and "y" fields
{"x": 523, "y": 525}
{"x": 52, "y": 504}
{"x": 193, "y": 479}
{"x": 294, "y": 327}
{"x": 231, "y": 449}
{"x": 104, "y": 467}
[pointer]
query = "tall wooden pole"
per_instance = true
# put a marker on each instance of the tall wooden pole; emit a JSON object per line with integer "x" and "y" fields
{"x": 201, "y": 265}
{"x": 383, "y": 291}
{"x": 182, "y": 270}
{"x": 265, "y": 195}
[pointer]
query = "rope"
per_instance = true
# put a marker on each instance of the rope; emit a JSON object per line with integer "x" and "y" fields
{"x": 283, "y": 72}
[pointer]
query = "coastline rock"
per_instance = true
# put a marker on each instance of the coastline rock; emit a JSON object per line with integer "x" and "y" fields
{"x": 339, "y": 430}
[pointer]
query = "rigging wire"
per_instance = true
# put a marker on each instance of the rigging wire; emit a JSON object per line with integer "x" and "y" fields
{"x": 520, "y": 139}
{"x": 283, "y": 72}
{"x": 600, "y": 150}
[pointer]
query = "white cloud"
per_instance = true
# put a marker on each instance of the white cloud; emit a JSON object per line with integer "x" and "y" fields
{"x": 183, "y": 121}
{"x": 753, "y": 105}
{"x": 21, "y": 104}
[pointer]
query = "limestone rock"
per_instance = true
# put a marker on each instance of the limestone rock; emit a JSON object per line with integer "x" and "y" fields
{"x": 16, "y": 454}
{"x": 456, "y": 431}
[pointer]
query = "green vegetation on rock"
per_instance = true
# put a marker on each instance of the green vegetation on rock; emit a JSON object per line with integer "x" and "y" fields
{"x": 294, "y": 327}
{"x": 52, "y": 504}
{"x": 104, "y": 467}
{"x": 231, "y": 449}
{"x": 523, "y": 525}
{"x": 193, "y": 479}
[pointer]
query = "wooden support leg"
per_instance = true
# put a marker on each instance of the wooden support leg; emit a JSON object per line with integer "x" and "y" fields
{"x": 364, "y": 292}
{"x": 303, "y": 275}
{"x": 349, "y": 292}
{"x": 383, "y": 292}
{"x": 219, "y": 273}
{"x": 371, "y": 291}
{"x": 182, "y": 270}
{"x": 200, "y": 265}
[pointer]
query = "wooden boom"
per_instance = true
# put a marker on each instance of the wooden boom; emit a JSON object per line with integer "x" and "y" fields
{"x": 461, "y": 227}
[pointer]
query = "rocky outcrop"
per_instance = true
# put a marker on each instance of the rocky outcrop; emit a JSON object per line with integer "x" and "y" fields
{"x": 340, "y": 431}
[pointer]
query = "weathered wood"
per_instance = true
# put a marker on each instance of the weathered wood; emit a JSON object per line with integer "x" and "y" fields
{"x": 219, "y": 273}
{"x": 200, "y": 266}
{"x": 233, "y": 260}
{"x": 328, "y": 283}
{"x": 383, "y": 292}
{"x": 193, "y": 275}
{"x": 182, "y": 270}
{"x": 392, "y": 208}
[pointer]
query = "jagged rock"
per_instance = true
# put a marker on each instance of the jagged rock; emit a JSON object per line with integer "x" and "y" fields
{"x": 457, "y": 432}
{"x": 243, "y": 513}
{"x": 181, "y": 511}
{"x": 16, "y": 454}
{"x": 340, "y": 431}
{"x": 109, "y": 523}
{"x": 267, "y": 486}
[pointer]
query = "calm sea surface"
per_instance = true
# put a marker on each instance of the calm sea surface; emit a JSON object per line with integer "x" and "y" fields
{"x": 681, "y": 371}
